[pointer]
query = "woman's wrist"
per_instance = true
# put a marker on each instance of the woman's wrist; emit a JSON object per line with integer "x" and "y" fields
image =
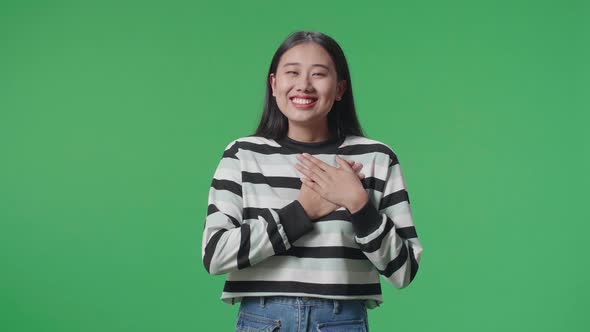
{"x": 358, "y": 203}
{"x": 306, "y": 209}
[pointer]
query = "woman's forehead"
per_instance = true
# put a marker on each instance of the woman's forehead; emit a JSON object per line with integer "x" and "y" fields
{"x": 308, "y": 54}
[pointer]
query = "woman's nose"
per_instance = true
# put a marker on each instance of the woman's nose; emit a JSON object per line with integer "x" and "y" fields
{"x": 303, "y": 83}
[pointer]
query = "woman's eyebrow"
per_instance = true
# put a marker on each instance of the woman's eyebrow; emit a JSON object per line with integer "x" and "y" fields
{"x": 314, "y": 65}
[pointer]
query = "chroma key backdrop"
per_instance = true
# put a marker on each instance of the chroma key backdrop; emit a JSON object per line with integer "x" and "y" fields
{"x": 114, "y": 115}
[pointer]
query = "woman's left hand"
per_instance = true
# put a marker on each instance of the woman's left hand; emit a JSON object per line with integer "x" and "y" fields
{"x": 339, "y": 185}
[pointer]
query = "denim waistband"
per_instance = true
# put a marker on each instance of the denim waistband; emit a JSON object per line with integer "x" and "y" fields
{"x": 298, "y": 300}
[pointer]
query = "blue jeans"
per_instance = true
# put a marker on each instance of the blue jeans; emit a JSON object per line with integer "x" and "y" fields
{"x": 301, "y": 314}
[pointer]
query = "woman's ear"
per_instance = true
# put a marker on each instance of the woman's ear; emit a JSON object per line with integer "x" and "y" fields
{"x": 340, "y": 89}
{"x": 272, "y": 79}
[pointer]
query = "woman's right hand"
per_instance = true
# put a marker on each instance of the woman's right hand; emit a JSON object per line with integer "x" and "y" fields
{"x": 316, "y": 206}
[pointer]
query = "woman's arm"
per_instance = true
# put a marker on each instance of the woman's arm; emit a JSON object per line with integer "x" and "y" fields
{"x": 384, "y": 230}
{"x": 231, "y": 244}
{"x": 386, "y": 233}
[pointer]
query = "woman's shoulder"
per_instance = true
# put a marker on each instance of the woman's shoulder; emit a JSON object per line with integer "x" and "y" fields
{"x": 369, "y": 142}
{"x": 369, "y": 145}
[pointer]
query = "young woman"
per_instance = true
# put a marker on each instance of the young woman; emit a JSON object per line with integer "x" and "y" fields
{"x": 302, "y": 235}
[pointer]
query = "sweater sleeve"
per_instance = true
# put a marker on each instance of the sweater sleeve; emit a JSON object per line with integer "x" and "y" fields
{"x": 385, "y": 230}
{"x": 231, "y": 243}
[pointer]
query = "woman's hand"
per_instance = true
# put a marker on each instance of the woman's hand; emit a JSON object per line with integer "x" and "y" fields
{"x": 356, "y": 167}
{"x": 316, "y": 206}
{"x": 339, "y": 185}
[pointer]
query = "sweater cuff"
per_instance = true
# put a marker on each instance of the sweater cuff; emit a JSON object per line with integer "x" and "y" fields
{"x": 294, "y": 220}
{"x": 366, "y": 220}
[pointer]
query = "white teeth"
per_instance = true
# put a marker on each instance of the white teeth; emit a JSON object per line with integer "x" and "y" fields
{"x": 302, "y": 101}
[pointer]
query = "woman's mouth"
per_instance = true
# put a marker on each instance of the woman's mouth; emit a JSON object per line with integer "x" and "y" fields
{"x": 303, "y": 102}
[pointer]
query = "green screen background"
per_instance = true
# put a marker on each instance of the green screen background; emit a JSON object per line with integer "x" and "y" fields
{"x": 113, "y": 117}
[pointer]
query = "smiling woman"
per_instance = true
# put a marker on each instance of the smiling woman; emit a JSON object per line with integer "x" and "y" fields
{"x": 305, "y": 86}
{"x": 306, "y": 79}
{"x": 302, "y": 234}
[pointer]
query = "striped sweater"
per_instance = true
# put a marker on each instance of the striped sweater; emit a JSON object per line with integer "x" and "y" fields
{"x": 258, "y": 234}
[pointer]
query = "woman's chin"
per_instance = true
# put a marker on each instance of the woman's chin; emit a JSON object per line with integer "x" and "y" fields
{"x": 305, "y": 115}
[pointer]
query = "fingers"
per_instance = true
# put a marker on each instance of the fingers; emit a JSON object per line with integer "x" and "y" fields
{"x": 312, "y": 185}
{"x": 322, "y": 165}
{"x": 357, "y": 167}
{"x": 354, "y": 165}
{"x": 320, "y": 168}
{"x": 310, "y": 174}
{"x": 313, "y": 167}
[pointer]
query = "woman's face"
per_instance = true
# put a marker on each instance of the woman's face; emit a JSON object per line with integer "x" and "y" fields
{"x": 305, "y": 84}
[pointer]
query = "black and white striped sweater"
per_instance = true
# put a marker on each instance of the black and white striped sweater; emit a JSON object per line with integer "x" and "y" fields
{"x": 257, "y": 232}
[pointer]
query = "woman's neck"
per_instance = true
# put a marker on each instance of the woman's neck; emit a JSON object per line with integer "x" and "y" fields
{"x": 309, "y": 134}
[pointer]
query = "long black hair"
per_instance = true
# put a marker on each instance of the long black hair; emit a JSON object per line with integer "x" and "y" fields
{"x": 342, "y": 119}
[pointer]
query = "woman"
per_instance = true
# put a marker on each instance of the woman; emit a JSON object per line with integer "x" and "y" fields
{"x": 302, "y": 235}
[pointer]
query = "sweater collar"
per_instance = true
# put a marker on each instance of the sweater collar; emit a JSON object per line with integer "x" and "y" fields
{"x": 328, "y": 146}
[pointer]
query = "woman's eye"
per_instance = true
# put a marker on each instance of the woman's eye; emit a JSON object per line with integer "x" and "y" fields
{"x": 294, "y": 72}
